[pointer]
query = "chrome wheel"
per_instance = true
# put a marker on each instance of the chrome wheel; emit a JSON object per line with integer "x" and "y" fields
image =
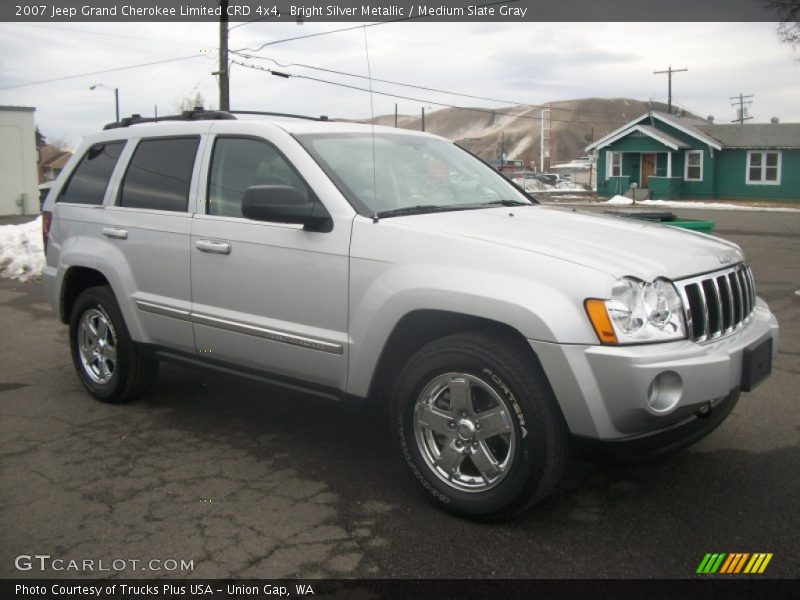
{"x": 97, "y": 345}
{"x": 464, "y": 432}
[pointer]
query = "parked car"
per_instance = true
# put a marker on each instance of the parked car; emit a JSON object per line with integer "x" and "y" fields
{"x": 356, "y": 261}
{"x": 546, "y": 179}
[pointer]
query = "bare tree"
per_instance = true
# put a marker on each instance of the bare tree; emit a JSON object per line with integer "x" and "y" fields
{"x": 59, "y": 142}
{"x": 788, "y": 12}
{"x": 193, "y": 101}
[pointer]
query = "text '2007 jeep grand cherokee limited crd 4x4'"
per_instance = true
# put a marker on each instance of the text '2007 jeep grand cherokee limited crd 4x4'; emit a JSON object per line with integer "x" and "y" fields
{"x": 392, "y": 265}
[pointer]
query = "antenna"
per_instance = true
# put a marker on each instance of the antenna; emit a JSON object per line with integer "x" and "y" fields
{"x": 372, "y": 120}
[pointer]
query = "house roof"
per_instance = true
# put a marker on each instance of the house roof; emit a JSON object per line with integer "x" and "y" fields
{"x": 755, "y": 135}
{"x": 59, "y": 162}
{"x": 689, "y": 125}
{"x": 51, "y": 157}
{"x": 718, "y": 136}
{"x": 662, "y": 136}
{"x": 652, "y": 132}
{"x": 18, "y": 108}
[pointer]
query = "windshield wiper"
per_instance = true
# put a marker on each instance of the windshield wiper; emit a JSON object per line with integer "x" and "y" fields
{"x": 507, "y": 203}
{"x": 417, "y": 209}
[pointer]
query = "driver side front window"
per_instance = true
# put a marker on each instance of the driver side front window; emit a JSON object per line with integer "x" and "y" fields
{"x": 239, "y": 163}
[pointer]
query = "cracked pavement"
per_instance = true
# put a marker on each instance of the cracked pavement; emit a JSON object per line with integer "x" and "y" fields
{"x": 248, "y": 480}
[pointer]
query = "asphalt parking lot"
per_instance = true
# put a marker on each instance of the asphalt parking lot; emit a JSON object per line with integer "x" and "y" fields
{"x": 247, "y": 480}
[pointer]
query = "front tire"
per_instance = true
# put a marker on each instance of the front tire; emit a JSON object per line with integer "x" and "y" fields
{"x": 478, "y": 426}
{"x": 107, "y": 361}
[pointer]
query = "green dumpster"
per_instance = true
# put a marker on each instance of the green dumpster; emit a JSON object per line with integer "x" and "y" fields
{"x": 665, "y": 218}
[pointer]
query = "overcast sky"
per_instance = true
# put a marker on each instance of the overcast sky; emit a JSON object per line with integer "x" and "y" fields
{"x": 528, "y": 63}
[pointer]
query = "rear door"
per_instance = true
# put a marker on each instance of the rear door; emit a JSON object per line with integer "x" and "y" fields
{"x": 148, "y": 228}
{"x": 268, "y": 296}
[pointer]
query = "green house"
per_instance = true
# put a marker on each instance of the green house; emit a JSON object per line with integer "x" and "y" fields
{"x": 685, "y": 157}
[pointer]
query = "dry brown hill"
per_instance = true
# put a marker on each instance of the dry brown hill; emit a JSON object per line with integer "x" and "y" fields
{"x": 484, "y": 132}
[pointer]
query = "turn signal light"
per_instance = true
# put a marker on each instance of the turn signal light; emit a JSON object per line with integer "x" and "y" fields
{"x": 598, "y": 315}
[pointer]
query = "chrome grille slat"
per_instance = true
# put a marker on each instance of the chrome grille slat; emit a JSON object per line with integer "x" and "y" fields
{"x": 717, "y": 304}
{"x": 738, "y": 300}
{"x": 752, "y": 281}
{"x": 704, "y": 311}
{"x": 726, "y": 317}
{"x": 745, "y": 292}
{"x": 715, "y": 315}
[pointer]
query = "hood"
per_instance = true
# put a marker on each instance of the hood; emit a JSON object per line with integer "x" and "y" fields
{"x": 615, "y": 245}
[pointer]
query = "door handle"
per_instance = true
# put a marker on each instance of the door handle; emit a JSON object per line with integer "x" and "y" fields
{"x": 213, "y": 247}
{"x": 115, "y": 233}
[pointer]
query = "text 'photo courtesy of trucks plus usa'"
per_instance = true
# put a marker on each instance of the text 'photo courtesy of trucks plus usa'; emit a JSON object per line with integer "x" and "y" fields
{"x": 299, "y": 300}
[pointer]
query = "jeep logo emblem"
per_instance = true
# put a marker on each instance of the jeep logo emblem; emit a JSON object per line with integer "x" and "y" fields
{"x": 724, "y": 258}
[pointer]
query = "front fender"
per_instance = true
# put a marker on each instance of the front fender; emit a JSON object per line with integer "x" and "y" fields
{"x": 536, "y": 308}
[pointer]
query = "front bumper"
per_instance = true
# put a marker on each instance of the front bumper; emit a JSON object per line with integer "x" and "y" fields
{"x": 603, "y": 390}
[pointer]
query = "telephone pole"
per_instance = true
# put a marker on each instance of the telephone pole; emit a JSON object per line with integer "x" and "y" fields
{"x": 740, "y": 112}
{"x": 669, "y": 73}
{"x": 224, "y": 81}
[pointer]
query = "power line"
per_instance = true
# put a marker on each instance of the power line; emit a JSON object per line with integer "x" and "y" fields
{"x": 148, "y": 64}
{"x": 413, "y": 99}
{"x": 251, "y": 21}
{"x": 418, "y": 87}
{"x": 309, "y": 35}
{"x": 63, "y": 30}
{"x": 329, "y": 32}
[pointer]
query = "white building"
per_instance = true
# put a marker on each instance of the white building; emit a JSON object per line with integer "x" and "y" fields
{"x": 18, "y": 174}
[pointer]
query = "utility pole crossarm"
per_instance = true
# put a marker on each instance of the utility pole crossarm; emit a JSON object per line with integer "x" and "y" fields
{"x": 741, "y": 102}
{"x": 669, "y": 73}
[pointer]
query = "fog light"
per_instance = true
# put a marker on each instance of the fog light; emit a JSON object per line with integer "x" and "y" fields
{"x": 664, "y": 392}
{"x": 704, "y": 411}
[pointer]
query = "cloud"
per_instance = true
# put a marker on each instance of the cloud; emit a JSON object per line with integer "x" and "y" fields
{"x": 528, "y": 62}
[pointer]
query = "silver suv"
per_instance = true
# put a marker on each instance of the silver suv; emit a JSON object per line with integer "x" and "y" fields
{"x": 352, "y": 261}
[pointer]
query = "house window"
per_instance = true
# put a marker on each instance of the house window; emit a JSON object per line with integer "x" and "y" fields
{"x": 694, "y": 166}
{"x": 614, "y": 164}
{"x": 764, "y": 167}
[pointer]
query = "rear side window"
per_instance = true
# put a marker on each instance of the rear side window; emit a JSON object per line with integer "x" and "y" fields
{"x": 159, "y": 174}
{"x": 237, "y": 164}
{"x": 89, "y": 180}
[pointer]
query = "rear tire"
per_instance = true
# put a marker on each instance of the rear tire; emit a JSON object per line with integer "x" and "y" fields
{"x": 108, "y": 363}
{"x": 478, "y": 426}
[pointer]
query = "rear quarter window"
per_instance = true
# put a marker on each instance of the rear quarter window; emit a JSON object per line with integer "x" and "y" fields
{"x": 160, "y": 174}
{"x": 89, "y": 180}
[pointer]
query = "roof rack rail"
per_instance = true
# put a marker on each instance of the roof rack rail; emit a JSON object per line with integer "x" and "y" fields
{"x": 278, "y": 114}
{"x": 196, "y": 114}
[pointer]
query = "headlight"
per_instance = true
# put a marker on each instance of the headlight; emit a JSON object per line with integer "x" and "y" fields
{"x": 638, "y": 312}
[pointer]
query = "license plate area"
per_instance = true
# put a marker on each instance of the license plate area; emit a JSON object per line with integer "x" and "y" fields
{"x": 756, "y": 364}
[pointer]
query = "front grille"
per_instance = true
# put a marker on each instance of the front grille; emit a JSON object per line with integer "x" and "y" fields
{"x": 716, "y": 304}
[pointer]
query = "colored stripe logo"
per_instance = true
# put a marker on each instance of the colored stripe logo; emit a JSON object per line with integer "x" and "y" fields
{"x": 734, "y": 563}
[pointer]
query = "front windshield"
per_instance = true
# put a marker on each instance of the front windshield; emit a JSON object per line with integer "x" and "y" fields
{"x": 395, "y": 173}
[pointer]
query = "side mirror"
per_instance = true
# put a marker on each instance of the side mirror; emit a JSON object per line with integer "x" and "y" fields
{"x": 283, "y": 204}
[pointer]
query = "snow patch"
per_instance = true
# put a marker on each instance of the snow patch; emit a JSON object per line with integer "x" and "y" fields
{"x": 521, "y": 146}
{"x": 618, "y": 201}
{"x": 625, "y": 201}
{"x": 21, "y": 250}
{"x": 534, "y": 185}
